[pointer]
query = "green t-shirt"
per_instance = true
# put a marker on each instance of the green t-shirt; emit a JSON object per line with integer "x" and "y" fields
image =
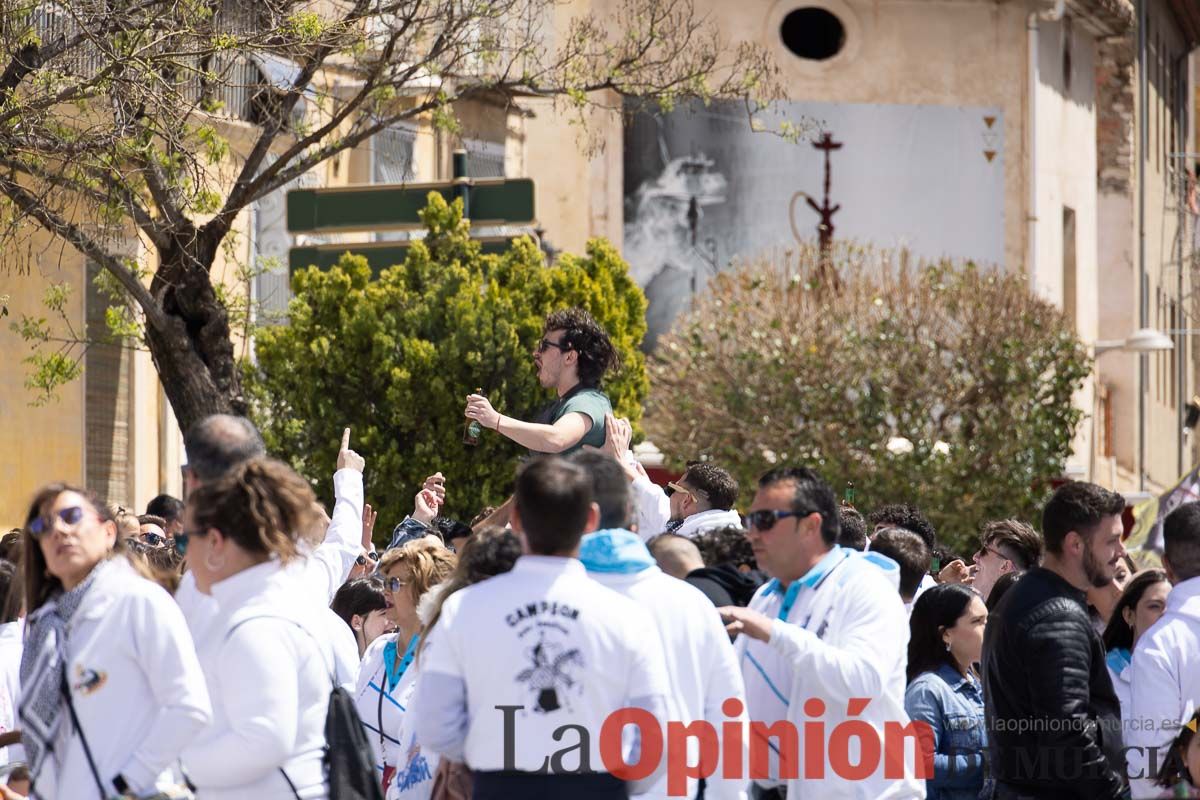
{"x": 591, "y": 402}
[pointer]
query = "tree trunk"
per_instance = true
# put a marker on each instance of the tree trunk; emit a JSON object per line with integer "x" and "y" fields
{"x": 191, "y": 348}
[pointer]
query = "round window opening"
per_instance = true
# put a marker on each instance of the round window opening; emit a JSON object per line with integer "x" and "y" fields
{"x": 813, "y": 33}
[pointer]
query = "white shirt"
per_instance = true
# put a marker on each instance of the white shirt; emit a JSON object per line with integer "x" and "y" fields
{"x": 1164, "y": 679}
{"x": 136, "y": 686}
{"x": 379, "y": 705}
{"x": 11, "y": 647}
{"x": 700, "y": 660}
{"x": 844, "y": 637}
{"x": 413, "y": 779}
{"x": 549, "y": 641}
{"x": 324, "y": 570}
{"x": 270, "y": 682}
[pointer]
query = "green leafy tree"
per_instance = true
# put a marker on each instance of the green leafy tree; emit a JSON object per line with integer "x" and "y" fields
{"x": 153, "y": 125}
{"x": 395, "y": 357}
{"x": 944, "y": 385}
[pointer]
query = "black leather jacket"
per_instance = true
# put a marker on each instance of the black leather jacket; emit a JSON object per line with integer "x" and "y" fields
{"x": 1053, "y": 720}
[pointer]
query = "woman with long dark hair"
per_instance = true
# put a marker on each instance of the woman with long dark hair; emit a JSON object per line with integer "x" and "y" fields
{"x": 1141, "y": 604}
{"x": 945, "y": 643}
{"x": 111, "y": 690}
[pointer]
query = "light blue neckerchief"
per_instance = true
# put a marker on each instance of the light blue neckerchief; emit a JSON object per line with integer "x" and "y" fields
{"x": 615, "y": 551}
{"x": 395, "y": 671}
{"x": 811, "y": 578}
{"x": 1118, "y": 659}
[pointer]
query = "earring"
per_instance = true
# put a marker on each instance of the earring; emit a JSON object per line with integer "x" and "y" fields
{"x": 947, "y": 647}
{"x": 213, "y": 567}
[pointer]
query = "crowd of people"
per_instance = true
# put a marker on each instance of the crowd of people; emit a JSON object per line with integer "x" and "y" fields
{"x": 594, "y": 636}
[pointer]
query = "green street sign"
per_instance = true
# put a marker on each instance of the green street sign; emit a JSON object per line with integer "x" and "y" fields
{"x": 493, "y": 201}
{"x": 379, "y": 255}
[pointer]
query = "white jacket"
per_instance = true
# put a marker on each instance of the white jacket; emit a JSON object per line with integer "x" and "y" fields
{"x": 700, "y": 660}
{"x": 379, "y": 707}
{"x": 11, "y": 646}
{"x": 323, "y": 571}
{"x": 845, "y": 638}
{"x": 1164, "y": 681}
{"x": 136, "y": 686}
{"x": 270, "y": 680}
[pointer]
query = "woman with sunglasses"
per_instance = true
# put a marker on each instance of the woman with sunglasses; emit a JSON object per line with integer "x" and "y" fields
{"x": 111, "y": 690}
{"x": 270, "y": 660}
{"x": 384, "y": 677}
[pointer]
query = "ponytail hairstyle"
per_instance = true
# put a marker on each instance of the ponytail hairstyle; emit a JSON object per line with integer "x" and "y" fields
{"x": 261, "y": 504}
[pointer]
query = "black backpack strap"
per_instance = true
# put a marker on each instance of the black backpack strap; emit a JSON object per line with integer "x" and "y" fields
{"x": 291, "y": 785}
{"x": 87, "y": 750}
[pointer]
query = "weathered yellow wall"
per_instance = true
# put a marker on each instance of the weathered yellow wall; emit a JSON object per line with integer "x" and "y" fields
{"x": 46, "y": 443}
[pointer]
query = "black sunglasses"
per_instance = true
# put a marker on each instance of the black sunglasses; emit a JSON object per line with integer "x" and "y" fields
{"x": 546, "y": 344}
{"x": 765, "y": 519}
{"x": 362, "y": 560}
{"x": 40, "y": 525}
{"x": 154, "y": 540}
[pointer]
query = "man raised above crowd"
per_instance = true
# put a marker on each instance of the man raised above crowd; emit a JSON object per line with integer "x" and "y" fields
{"x": 572, "y": 357}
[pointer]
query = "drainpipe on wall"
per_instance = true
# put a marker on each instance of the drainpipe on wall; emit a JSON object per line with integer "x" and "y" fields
{"x": 1143, "y": 295}
{"x": 1031, "y": 217}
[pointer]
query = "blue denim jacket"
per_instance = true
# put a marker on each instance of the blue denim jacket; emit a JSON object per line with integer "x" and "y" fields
{"x": 953, "y": 707}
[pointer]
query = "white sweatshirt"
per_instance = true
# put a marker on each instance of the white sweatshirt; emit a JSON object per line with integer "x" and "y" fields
{"x": 551, "y": 644}
{"x": 1164, "y": 682}
{"x": 844, "y": 638}
{"x": 270, "y": 682}
{"x": 136, "y": 686}
{"x": 323, "y": 571}
{"x": 700, "y": 660}
{"x": 11, "y": 647}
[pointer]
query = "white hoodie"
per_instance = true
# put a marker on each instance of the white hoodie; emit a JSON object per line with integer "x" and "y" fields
{"x": 653, "y": 511}
{"x": 268, "y": 666}
{"x": 1165, "y": 683}
{"x": 323, "y": 571}
{"x": 700, "y": 658}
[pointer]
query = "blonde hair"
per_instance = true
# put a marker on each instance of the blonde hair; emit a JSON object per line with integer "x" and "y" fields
{"x": 430, "y": 563}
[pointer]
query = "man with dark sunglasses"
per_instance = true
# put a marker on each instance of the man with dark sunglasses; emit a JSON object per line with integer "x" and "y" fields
{"x": 572, "y": 357}
{"x": 829, "y": 627}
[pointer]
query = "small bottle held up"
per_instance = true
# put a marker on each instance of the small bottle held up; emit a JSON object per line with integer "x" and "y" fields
{"x": 848, "y": 497}
{"x": 474, "y": 429}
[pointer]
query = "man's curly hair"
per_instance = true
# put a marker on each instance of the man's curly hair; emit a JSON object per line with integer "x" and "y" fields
{"x": 904, "y": 516}
{"x": 584, "y": 335}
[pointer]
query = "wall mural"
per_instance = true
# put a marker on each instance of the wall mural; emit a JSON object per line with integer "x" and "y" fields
{"x": 702, "y": 189}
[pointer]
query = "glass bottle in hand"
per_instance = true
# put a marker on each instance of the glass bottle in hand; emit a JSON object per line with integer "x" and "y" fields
{"x": 473, "y": 429}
